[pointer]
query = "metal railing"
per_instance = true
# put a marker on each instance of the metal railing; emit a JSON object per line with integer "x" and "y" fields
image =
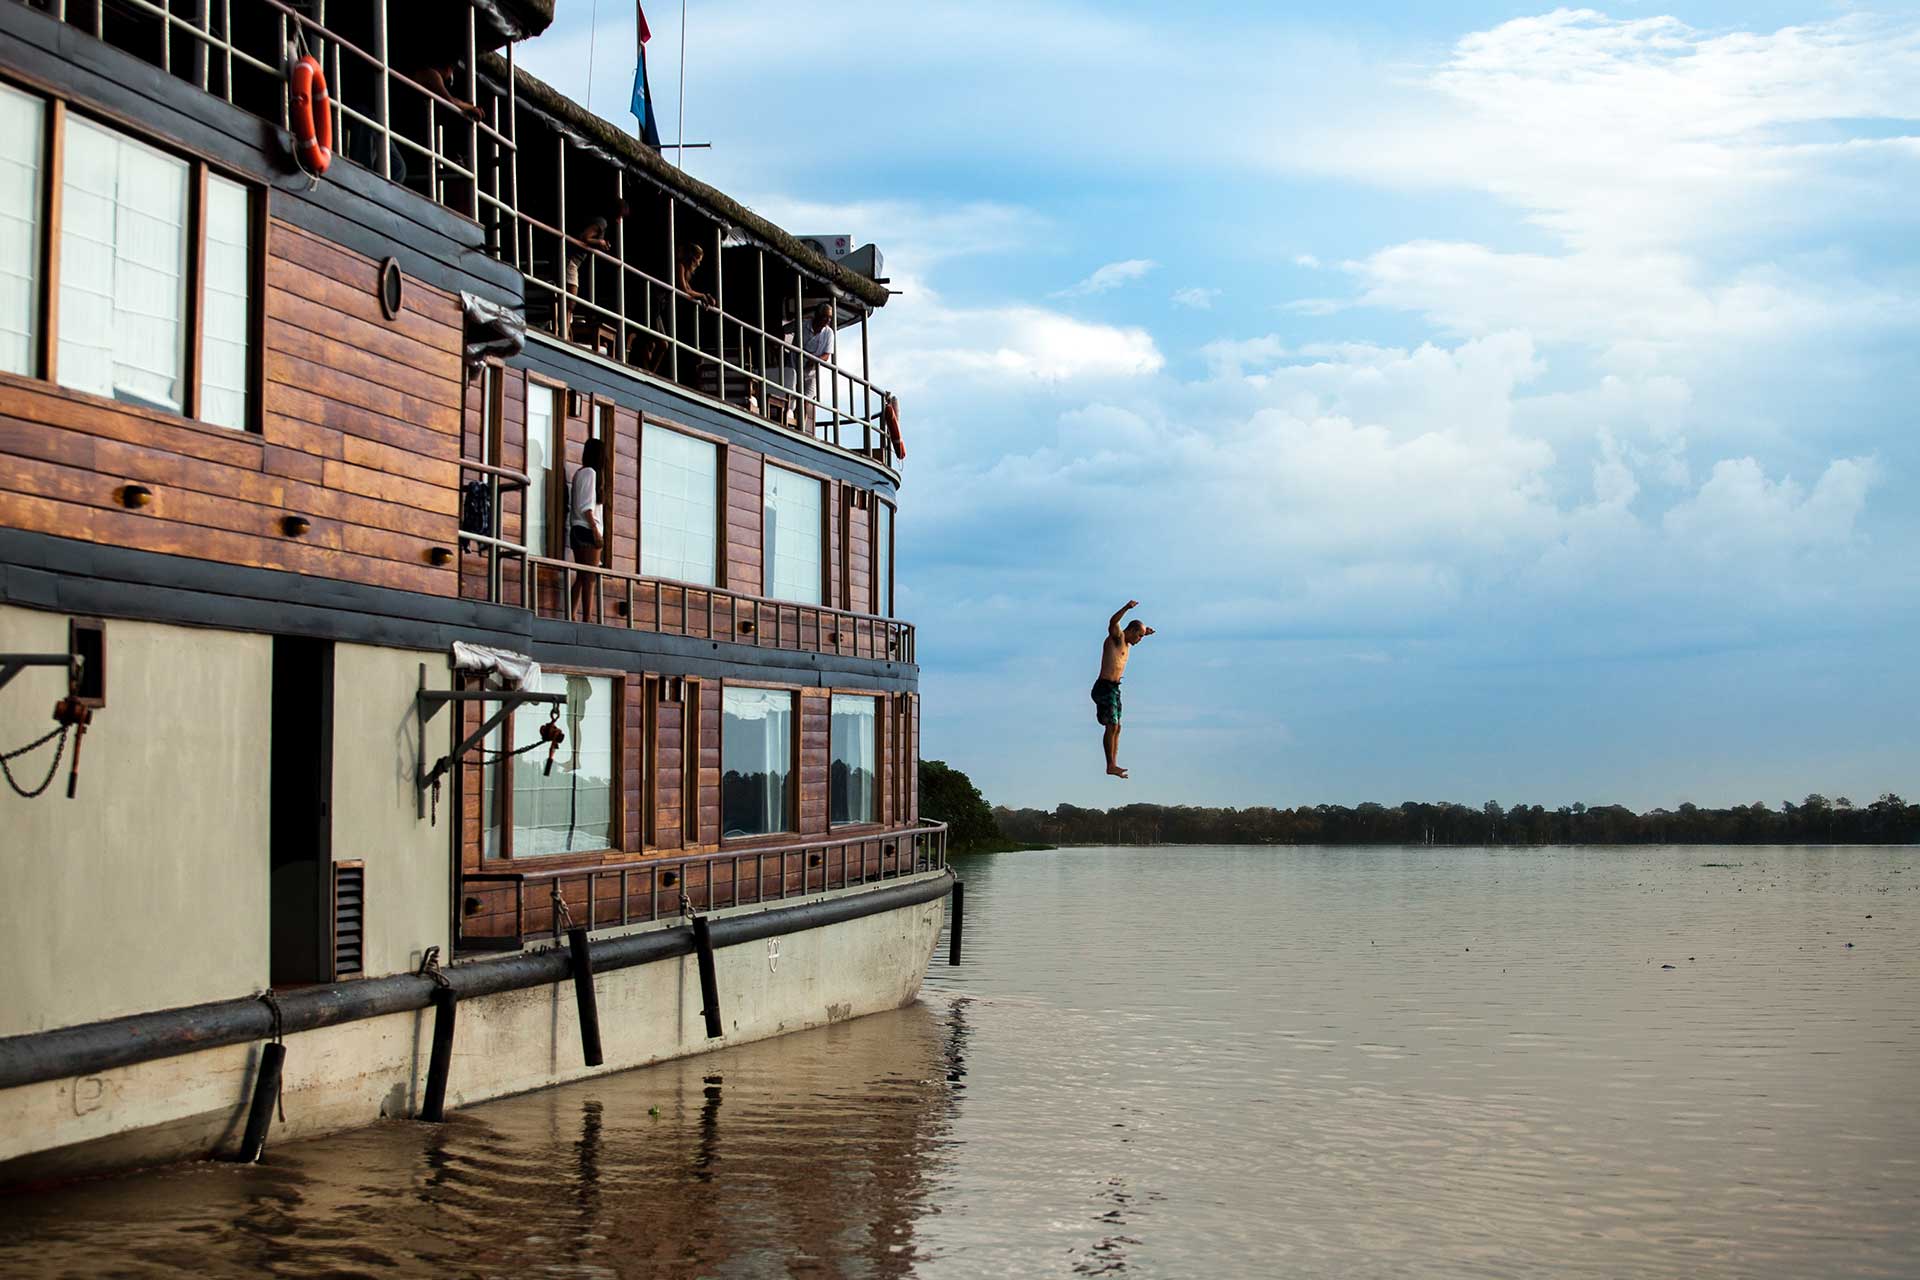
{"x": 504, "y": 910}
{"x": 364, "y": 87}
{"x": 596, "y": 299}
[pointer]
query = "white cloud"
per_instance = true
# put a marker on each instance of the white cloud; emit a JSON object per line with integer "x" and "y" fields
{"x": 1110, "y": 277}
{"x": 1196, "y": 298}
{"x": 1306, "y": 260}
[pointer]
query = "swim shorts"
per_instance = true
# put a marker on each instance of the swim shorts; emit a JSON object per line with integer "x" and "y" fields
{"x": 1106, "y": 701}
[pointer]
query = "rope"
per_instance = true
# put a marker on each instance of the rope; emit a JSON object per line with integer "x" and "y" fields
{"x": 60, "y": 732}
{"x": 502, "y": 755}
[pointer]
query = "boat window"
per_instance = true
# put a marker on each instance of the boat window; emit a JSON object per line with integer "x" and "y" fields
{"x": 123, "y": 268}
{"x": 679, "y": 509}
{"x": 756, "y": 749}
{"x": 571, "y": 809}
{"x": 883, "y": 558}
{"x": 542, "y": 413}
{"x": 22, "y": 138}
{"x": 225, "y": 304}
{"x": 792, "y": 531}
{"x": 855, "y": 772}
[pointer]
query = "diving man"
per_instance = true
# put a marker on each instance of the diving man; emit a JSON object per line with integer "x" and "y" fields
{"x": 1114, "y": 653}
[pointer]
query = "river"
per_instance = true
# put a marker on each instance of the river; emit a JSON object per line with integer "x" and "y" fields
{"x": 1192, "y": 1062}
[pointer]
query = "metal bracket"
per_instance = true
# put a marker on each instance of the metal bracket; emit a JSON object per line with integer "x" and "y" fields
{"x": 12, "y": 664}
{"x": 426, "y": 705}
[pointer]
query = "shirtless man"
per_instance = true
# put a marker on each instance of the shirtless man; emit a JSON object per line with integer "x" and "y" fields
{"x": 1114, "y": 653}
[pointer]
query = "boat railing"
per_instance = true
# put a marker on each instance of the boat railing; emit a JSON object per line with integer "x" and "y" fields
{"x": 382, "y": 116}
{"x": 594, "y": 299}
{"x": 514, "y": 575}
{"x": 505, "y": 910}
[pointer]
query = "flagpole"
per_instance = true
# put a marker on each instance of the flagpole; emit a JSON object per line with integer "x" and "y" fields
{"x": 680, "y": 142}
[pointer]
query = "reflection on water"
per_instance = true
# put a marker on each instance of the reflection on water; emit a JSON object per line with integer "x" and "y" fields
{"x": 1193, "y": 1062}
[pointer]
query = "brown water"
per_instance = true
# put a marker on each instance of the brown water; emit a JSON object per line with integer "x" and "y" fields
{"x": 1193, "y": 1062}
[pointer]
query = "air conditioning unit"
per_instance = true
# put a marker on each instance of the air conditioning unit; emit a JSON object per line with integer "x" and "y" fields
{"x": 866, "y": 261}
{"x": 832, "y": 248}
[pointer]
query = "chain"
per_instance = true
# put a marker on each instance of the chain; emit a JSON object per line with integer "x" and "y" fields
{"x": 57, "y": 732}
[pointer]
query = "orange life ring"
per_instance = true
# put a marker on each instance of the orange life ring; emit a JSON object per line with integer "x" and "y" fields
{"x": 310, "y": 111}
{"x": 890, "y": 419}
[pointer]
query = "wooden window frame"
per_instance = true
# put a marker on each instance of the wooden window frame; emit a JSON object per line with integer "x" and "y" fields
{"x": 599, "y": 407}
{"x": 51, "y": 210}
{"x": 720, "y": 445}
{"x": 497, "y": 776}
{"x": 873, "y": 554}
{"x": 792, "y": 829}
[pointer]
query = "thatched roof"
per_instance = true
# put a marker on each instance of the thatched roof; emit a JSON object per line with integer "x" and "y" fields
{"x": 638, "y": 157}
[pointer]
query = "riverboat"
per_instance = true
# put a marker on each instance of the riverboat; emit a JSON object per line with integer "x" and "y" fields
{"x": 374, "y": 785}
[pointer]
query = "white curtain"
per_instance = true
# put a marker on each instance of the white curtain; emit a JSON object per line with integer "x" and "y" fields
{"x": 225, "y": 290}
{"x": 792, "y": 531}
{"x": 856, "y": 761}
{"x": 757, "y": 760}
{"x": 123, "y": 268}
{"x": 679, "y": 513}
{"x": 22, "y": 139}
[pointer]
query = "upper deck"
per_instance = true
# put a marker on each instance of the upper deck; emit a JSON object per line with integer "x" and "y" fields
{"x": 283, "y": 416}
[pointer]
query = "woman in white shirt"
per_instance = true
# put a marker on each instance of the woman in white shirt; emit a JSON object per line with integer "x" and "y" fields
{"x": 816, "y": 339}
{"x": 585, "y": 525}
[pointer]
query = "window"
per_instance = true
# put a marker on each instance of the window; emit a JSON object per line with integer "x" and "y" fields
{"x": 123, "y": 268}
{"x": 791, "y": 557}
{"x": 756, "y": 749}
{"x": 679, "y": 508}
{"x": 571, "y": 809}
{"x": 225, "y": 305}
{"x": 855, "y": 777}
{"x": 541, "y": 416}
{"x": 22, "y": 139}
{"x": 883, "y": 558}
{"x": 145, "y": 241}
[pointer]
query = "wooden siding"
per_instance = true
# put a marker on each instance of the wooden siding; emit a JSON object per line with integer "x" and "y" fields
{"x": 744, "y": 515}
{"x": 860, "y": 557}
{"x": 709, "y": 807}
{"x": 359, "y": 423}
{"x": 815, "y": 754}
{"x": 669, "y": 749}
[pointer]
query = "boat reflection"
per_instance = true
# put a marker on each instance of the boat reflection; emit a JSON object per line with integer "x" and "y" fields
{"x": 812, "y": 1151}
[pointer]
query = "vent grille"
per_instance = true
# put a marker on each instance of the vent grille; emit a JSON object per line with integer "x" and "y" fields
{"x": 349, "y": 918}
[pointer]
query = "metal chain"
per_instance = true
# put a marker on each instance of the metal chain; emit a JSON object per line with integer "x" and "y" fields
{"x": 42, "y": 740}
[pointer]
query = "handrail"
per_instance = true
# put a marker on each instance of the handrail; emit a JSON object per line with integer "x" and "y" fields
{"x": 671, "y": 607}
{"x": 445, "y": 139}
{"x": 658, "y": 886}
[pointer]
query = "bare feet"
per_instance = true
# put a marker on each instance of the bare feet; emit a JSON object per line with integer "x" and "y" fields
{"x": 1116, "y": 771}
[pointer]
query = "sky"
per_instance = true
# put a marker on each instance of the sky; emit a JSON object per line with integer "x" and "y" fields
{"x": 1492, "y": 402}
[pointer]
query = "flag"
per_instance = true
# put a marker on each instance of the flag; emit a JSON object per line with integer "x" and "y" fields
{"x": 642, "y": 94}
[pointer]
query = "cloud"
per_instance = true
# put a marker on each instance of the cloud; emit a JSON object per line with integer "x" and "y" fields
{"x": 1195, "y": 298}
{"x": 1109, "y": 278}
{"x": 1306, "y": 260}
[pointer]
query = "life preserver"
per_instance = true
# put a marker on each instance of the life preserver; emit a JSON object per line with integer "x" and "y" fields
{"x": 310, "y": 112}
{"x": 890, "y": 419}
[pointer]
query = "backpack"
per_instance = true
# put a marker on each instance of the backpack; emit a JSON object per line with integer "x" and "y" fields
{"x": 476, "y": 511}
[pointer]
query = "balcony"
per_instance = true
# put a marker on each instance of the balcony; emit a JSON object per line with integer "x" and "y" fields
{"x": 509, "y": 573}
{"x": 419, "y": 100}
{"x": 505, "y": 910}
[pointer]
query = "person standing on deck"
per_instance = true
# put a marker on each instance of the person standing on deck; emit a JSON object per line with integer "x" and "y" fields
{"x": 1114, "y": 654}
{"x": 816, "y": 339}
{"x": 586, "y": 525}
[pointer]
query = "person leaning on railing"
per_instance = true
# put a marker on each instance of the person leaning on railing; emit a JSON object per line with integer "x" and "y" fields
{"x": 591, "y": 238}
{"x": 653, "y": 352}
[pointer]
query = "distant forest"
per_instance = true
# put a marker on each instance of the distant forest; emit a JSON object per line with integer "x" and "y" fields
{"x": 1815, "y": 820}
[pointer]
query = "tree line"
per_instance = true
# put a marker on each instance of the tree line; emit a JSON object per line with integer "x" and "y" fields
{"x": 1814, "y": 820}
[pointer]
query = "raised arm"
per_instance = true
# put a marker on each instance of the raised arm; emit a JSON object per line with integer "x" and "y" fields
{"x": 1113, "y": 623}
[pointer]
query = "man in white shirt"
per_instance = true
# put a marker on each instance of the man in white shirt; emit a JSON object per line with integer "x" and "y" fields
{"x": 586, "y": 525}
{"x": 816, "y": 339}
